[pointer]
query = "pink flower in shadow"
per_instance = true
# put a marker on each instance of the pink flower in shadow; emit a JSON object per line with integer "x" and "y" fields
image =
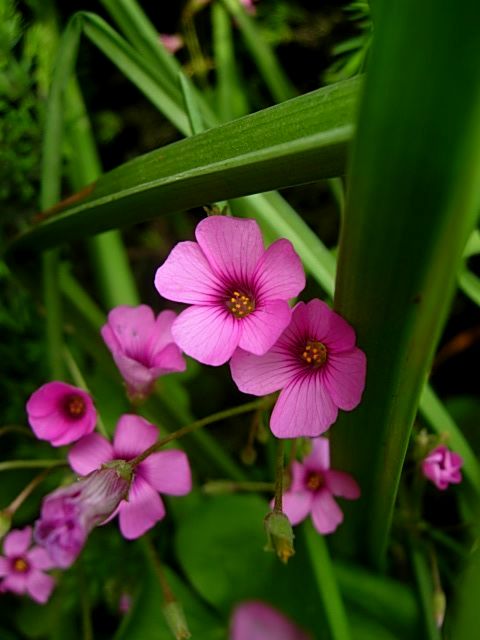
{"x": 239, "y": 291}
{"x": 255, "y": 620}
{"x": 165, "y": 471}
{"x": 442, "y": 467}
{"x": 316, "y": 365}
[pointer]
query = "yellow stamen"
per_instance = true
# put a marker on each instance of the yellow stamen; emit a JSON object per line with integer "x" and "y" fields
{"x": 315, "y": 353}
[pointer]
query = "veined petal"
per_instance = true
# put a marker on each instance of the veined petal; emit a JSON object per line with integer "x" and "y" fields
{"x": 168, "y": 360}
{"x": 326, "y": 514}
{"x": 342, "y": 484}
{"x": 45, "y": 399}
{"x": 142, "y": 511}
{"x": 133, "y": 436}
{"x": 344, "y": 377}
{"x": 137, "y": 376}
{"x": 297, "y": 505}
{"x": 262, "y": 328}
{"x": 39, "y": 586}
{"x": 168, "y": 472}
{"x": 303, "y": 408}
{"x": 162, "y": 334}
{"x": 186, "y": 276}
{"x": 261, "y": 375}
{"x": 131, "y": 327}
{"x": 232, "y": 246}
{"x": 208, "y": 334}
{"x": 319, "y": 458}
{"x": 17, "y": 542}
{"x": 279, "y": 274}
{"x": 89, "y": 453}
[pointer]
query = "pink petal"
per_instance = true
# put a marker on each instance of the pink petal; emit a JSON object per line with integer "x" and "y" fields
{"x": 76, "y": 430}
{"x": 137, "y": 376}
{"x": 45, "y": 399}
{"x": 131, "y": 328}
{"x": 254, "y": 620}
{"x": 279, "y": 274}
{"x": 169, "y": 360}
{"x": 208, "y": 334}
{"x": 318, "y": 322}
{"x": 262, "y": 328}
{"x": 133, "y": 435}
{"x": 298, "y": 471}
{"x": 15, "y": 582}
{"x": 40, "y": 559}
{"x": 326, "y": 514}
{"x": 168, "y": 472}
{"x": 319, "y": 458}
{"x": 232, "y": 246}
{"x": 4, "y": 567}
{"x": 186, "y": 276}
{"x": 344, "y": 377}
{"x": 89, "y": 453}
{"x": 142, "y": 511}
{"x": 342, "y": 484}
{"x": 52, "y": 427}
{"x": 17, "y": 542}
{"x": 304, "y": 408}
{"x": 40, "y": 586}
{"x": 297, "y": 505}
{"x": 261, "y": 375}
{"x": 162, "y": 333}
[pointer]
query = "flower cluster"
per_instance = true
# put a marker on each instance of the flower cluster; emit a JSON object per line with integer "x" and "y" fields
{"x": 442, "y": 467}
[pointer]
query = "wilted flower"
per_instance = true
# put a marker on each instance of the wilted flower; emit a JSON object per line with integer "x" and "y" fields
{"x": 313, "y": 488}
{"x": 70, "y": 513}
{"x": 442, "y": 467}
{"x": 316, "y": 365}
{"x": 165, "y": 471}
{"x": 239, "y": 291}
{"x": 61, "y": 413}
{"x": 22, "y": 569}
{"x": 255, "y": 620}
{"x": 142, "y": 346}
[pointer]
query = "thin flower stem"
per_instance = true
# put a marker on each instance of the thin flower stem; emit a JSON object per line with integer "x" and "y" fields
{"x": 14, "y": 428}
{"x": 31, "y": 464}
{"x": 198, "y": 424}
{"x": 27, "y": 491}
{"x": 279, "y": 476}
{"x": 216, "y": 487}
{"x": 423, "y": 577}
{"x": 154, "y": 560}
{"x": 87, "y": 628}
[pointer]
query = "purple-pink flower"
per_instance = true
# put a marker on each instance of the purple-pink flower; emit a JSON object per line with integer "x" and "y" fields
{"x": 442, "y": 467}
{"x": 22, "y": 568}
{"x": 165, "y": 471}
{"x": 172, "y": 42}
{"x": 255, "y": 620}
{"x": 313, "y": 488}
{"x": 239, "y": 291}
{"x": 61, "y": 413}
{"x": 69, "y": 513}
{"x": 142, "y": 346}
{"x": 316, "y": 365}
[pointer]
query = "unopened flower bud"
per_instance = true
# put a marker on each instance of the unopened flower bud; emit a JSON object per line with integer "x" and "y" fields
{"x": 279, "y": 535}
{"x": 175, "y": 618}
{"x": 439, "y": 606}
{"x": 5, "y": 522}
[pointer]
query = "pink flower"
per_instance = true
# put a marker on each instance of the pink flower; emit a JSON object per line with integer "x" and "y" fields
{"x": 313, "y": 486}
{"x": 21, "y": 569}
{"x": 172, "y": 42}
{"x": 70, "y": 513}
{"x": 60, "y": 413}
{"x": 237, "y": 289}
{"x": 442, "y": 467}
{"x": 249, "y": 6}
{"x": 165, "y": 471}
{"x": 254, "y": 620}
{"x": 142, "y": 346}
{"x": 316, "y": 365}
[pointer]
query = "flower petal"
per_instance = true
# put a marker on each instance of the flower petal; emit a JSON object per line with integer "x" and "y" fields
{"x": 319, "y": 458}
{"x": 279, "y": 274}
{"x": 131, "y": 328}
{"x": 4, "y": 567}
{"x": 232, "y": 246}
{"x": 15, "y": 582}
{"x": 138, "y": 377}
{"x": 132, "y": 436}
{"x": 40, "y": 586}
{"x": 89, "y": 453}
{"x": 326, "y": 514}
{"x": 255, "y": 620}
{"x": 262, "y": 328}
{"x": 304, "y": 408}
{"x": 162, "y": 333}
{"x": 186, "y": 276}
{"x": 17, "y": 542}
{"x": 142, "y": 511}
{"x": 208, "y": 334}
{"x": 342, "y": 484}
{"x": 344, "y": 377}
{"x": 45, "y": 399}
{"x": 297, "y": 505}
{"x": 40, "y": 559}
{"x": 168, "y": 472}
{"x": 168, "y": 360}
{"x": 261, "y": 375}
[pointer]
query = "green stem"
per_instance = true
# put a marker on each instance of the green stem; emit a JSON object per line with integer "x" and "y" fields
{"x": 279, "y": 460}
{"x": 31, "y": 464}
{"x": 27, "y": 491}
{"x": 423, "y": 578}
{"x": 218, "y": 487}
{"x": 13, "y": 428}
{"x": 87, "y": 628}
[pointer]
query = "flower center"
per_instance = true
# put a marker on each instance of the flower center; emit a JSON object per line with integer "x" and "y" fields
{"x": 314, "y": 353}
{"x": 75, "y": 406}
{"x": 315, "y": 481}
{"x": 240, "y": 304}
{"x": 20, "y": 565}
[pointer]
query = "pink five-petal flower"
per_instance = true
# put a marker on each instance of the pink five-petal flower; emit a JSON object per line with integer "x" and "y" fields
{"x": 22, "y": 568}
{"x": 61, "y": 413}
{"x": 313, "y": 488}
{"x": 255, "y": 620}
{"x": 442, "y": 467}
{"x": 162, "y": 472}
{"x": 316, "y": 365}
{"x": 143, "y": 347}
{"x": 239, "y": 291}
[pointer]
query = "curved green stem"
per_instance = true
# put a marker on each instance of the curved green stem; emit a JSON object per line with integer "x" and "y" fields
{"x": 31, "y": 464}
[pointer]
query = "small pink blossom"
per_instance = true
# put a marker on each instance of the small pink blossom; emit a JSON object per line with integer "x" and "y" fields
{"x": 61, "y": 413}
{"x": 172, "y": 42}
{"x": 142, "y": 346}
{"x": 239, "y": 291}
{"x": 249, "y": 6}
{"x": 22, "y": 569}
{"x": 313, "y": 488}
{"x": 316, "y": 365}
{"x": 442, "y": 467}
{"x": 255, "y": 620}
{"x": 69, "y": 513}
{"x": 165, "y": 471}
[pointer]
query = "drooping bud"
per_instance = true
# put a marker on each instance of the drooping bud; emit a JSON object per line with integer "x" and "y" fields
{"x": 5, "y": 522}
{"x": 176, "y": 621}
{"x": 279, "y": 535}
{"x": 439, "y": 607}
